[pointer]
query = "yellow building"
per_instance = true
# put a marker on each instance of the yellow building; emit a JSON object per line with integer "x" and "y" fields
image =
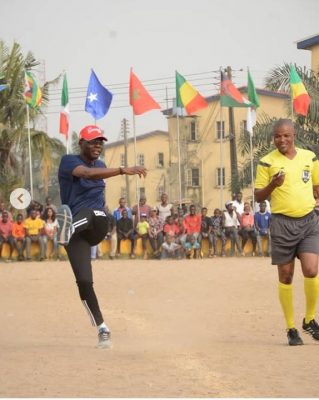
{"x": 204, "y": 158}
{"x": 152, "y": 151}
{"x": 311, "y": 43}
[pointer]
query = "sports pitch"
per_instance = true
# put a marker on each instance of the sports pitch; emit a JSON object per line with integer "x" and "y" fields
{"x": 193, "y": 328}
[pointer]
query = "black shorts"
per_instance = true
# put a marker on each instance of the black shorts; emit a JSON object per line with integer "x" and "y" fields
{"x": 292, "y": 236}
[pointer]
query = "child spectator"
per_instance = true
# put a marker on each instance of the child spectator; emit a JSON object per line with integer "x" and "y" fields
{"x": 262, "y": 222}
{"x": 181, "y": 230}
{"x": 218, "y": 232}
{"x": 170, "y": 249}
{"x": 192, "y": 222}
{"x": 205, "y": 230}
{"x": 124, "y": 227}
{"x": 142, "y": 231}
{"x": 18, "y": 234}
{"x": 191, "y": 247}
{"x": 6, "y": 233}
{"x": 247, "y": 228}
{"x": 231, "y": 222}
{"x": 50, "y": 231}
{"x": 155, "y": 232}
{"x": 34, "y": 230}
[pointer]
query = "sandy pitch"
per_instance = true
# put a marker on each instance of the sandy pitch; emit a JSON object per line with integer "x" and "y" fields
{"x": 202, "y": 328}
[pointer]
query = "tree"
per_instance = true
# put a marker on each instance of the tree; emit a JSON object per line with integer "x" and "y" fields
{"x": 307, "y": 129}
{"x": 13, "y": 123}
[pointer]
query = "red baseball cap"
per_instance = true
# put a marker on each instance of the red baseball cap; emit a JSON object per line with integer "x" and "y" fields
{"x": 91, "y": 132}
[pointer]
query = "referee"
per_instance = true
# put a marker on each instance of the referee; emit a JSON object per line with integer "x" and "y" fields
{"x": 289, "y": 175}
{"x": 82, "y": 219}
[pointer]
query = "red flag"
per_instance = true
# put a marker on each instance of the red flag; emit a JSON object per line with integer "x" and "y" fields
{"x": 140, "y": 99}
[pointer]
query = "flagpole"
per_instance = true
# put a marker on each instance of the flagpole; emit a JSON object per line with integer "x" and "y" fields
{"x": 252, "y": 168}
{"x": 221, "y": 149}
{"x": 179, "y": 160}
{"x": 136, "y": 176}
{"x": 30, "y": 156}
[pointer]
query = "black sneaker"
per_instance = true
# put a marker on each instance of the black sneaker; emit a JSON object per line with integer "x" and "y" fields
{"x": 312, "y": 328}
{"x": 293, "y": 337}
{"x": 65, "y": 228}
{"x": 104, "y": 338}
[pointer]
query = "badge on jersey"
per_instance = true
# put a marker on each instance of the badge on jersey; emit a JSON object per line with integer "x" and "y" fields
{"x": 305, "y": 175}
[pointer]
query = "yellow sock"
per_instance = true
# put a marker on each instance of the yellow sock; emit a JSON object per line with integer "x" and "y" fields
{"x": 286, "y": 301}
{"x": 311, "y": 287}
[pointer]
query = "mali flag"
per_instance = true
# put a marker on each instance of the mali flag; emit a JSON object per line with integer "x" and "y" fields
{"x": 299, "y": 94}
{"x": 187, "y": 96}
{"x": 32, "y": 91}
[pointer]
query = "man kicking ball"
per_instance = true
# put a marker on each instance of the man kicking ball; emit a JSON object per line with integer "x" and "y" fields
{"x": 82, "y": 219}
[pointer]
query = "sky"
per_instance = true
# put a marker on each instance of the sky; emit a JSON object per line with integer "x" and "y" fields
{"x": 155, "y": 38}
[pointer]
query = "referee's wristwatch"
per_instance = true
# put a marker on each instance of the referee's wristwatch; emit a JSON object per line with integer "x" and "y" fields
{"x": 122, "y": 169}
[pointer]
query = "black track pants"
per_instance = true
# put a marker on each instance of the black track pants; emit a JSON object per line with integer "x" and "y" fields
{"x": 90, "y": 229}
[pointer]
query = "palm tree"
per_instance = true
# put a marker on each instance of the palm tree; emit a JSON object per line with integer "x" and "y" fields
{"x": 13, "y": 122}
{"x": 307, "y": 128}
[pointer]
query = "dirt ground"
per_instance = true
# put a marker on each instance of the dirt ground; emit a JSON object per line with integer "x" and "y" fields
{"x": 194, "y": 328}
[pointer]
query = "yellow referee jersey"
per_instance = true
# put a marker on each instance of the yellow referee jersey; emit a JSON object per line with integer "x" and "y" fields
{"x": 295, "y": 197}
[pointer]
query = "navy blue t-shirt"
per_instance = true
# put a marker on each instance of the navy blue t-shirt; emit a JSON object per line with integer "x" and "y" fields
{"x": 80, "y": 193}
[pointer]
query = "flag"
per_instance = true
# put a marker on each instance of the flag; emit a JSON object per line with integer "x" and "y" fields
{"x": 32, "y": 91}
{"x": 140, "y": 99}
{"x": 98, "y": 98}
{"x": 299, "y": 94}
{"x": 64, "y": 114}
{"x": 187, "y": 96}
{"x": 253, "y": 98}
{"x": 230, "y": 96}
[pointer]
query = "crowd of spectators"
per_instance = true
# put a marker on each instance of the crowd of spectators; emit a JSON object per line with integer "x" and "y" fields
{"x": 170, "y": 231}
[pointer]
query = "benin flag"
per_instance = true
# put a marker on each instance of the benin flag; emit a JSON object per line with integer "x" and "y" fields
{"x": 140, "y": 99}
{"x": 230, "y": 96}
{"x": 64, "y": 114}
{"x": 187, "y": 96}
{"x": 299, "y": 94}
{"x": 32, "y": 91}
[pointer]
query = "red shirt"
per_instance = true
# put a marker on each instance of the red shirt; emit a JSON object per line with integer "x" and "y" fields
{"x": 5, "y": 228}
{"x": 192, "y": 223}
{"x": 171, "y": 229}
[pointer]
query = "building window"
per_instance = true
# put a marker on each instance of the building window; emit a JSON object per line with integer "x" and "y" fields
{"x": 123, "y": 192}
{"x": 220, "y": 177}
{"x": 142, "y": 191}
{"x": 140, "y": 159}
{"x": 122, "y": 159}
{"x": 220, "y": 130}
{"x": 193, "y": 177}
{"x": 160, "y": 160}
{"x": 243, "y": 126}
{"x": 193, "y": 130}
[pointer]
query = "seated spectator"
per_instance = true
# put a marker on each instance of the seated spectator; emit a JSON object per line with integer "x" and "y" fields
{"x": 218, "y": 231}
{"x": 6, "y": 233}
{"x": 142, "y": 231}
{"x": 48, "y": 203}
{"x": 18, "y": 234}
{"x": 124, "y": 228}
{"x": 155, "y": 232}
{"x": 118, "y": 212}
{"x": 34, "y": 230}
{"x": 192, "y": 223}
{"x": 262, "y": 226}
{"x": 50, "y": 232}
{"x": 142, "y": 208}
{"x": 170, "y": 249}
{"x": 247, "y": 228}
{"x": 170, "y": 227}
{"x": 181, "y": 230}
{"x": 191, "y": 247}
{"x": 205, "y": 231}
{"x": 231, "y": 221}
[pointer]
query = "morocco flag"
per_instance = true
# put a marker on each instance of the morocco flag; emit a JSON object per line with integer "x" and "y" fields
{"x": 140, "y": 99}
{"x": 64, "y": 114}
